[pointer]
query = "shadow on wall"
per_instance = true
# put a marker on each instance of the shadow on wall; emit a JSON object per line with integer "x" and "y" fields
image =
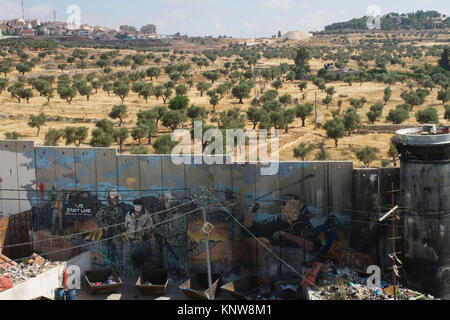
{"x": 16, "y": 229}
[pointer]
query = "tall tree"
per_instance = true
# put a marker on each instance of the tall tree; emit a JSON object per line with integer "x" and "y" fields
{"x": 285, "y": 99}
{"x": 301, "y": 60}
{"x": 153, "y": 72}
{"x": 85, "y": 90}
{"x": 387, "y": 95}
{"x": 375, "y": 112}
{"x": 304, "y": 111}
{"x": 167, "y": 93}
{"x": 37, "y": 121}
{"x": 122, "y": 90}
{"x": 444, "y": 61}
{"x": 398, "y": 115}
{"x": 393, "y": 153}
{"x": 3, "y": 84}
{"x": 164, "y": 144}
{"x": 303, "y": 149}
{"x": 75, "y": 135}
{"x": 120, "y": 136}
{"x": 429, "y": 115}
{"x": 52, "y": 137}
{"x": 366, "y": 155}
{"x": 67, "y": 93}
{"x": 335, "y": 129}
{"x": 25, "y": 93}
{"x": 48, "y": 92}
{"x": 179, "y": 103}
{"x": 173, "y": 119}
{"x": 118, "y": 112}
{"x": 303, "y": 85}
{"x": 255, "y": 115}
{"x": 203, "y": 87}
{"x": 351, "y": 120}
{"x": 147, "y": 91}
{"x": 241, "y": 91}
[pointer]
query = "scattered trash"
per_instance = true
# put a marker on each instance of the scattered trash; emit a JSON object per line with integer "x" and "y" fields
{"x": 389, "y": 291}
{"x": 341, "y": 283}
{"x": 28, "y": 268}
{"x": 310, "y": 278}
{"x": 5, "y": 262}
{"x": 103, "y": 281}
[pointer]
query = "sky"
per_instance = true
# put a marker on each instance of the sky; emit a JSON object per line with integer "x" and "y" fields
{"x": 237, "y": 18}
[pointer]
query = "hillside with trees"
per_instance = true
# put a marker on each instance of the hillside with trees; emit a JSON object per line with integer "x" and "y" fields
{"x": 339, "y": 98}
{"x": 419, "y": 20}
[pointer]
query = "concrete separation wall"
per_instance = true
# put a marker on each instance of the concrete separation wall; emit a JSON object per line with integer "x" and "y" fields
{"x": 372, "y": 198}
{"x": 17, "y": 177}
{"x": 71, "y": 190}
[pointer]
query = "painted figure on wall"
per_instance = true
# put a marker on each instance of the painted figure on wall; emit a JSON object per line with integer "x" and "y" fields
{"x": 329, "y": 228}
{"x": 139, "y": 227}
{"x": 110, "y": 214}
{"x": 171, "y": 235}
{"x": 54, "y": 202}
{"x": 290, "y": 229}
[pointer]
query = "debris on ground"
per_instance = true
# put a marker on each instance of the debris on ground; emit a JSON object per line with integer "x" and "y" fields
{"x": 109, "y": 280}
{"x": 5, "y": 261}
{"x": 5, "y": 283}
{"x": 282, "y": 290}
{"x": 28, "y": 268}
{"x": 349, "y": 257}
{"x": 342, "y": 283}
{"x": 311, "y": 276}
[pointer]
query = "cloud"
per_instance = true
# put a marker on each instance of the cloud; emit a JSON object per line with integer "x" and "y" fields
{"x": 277, "y": 4}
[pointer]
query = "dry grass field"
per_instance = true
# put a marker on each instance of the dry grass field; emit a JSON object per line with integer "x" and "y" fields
{"x": 14, "y": 116}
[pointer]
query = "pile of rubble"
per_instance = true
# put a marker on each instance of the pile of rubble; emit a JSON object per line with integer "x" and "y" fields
{"x": 341, "y": 283}
{"x": 29, "y": 268}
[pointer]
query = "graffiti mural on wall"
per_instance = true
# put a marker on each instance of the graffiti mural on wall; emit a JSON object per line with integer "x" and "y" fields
{"x": 84, "y": 191}
{"x": 295, "y": 232}
{"x": 151, "y": 233}
{"x": 291, "y": 228}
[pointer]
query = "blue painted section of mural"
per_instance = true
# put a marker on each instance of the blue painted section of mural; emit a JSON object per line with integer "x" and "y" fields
{"x": 82, "y": 190}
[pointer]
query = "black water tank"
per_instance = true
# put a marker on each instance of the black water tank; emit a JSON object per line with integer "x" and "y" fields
{"x": 425, "y": 194}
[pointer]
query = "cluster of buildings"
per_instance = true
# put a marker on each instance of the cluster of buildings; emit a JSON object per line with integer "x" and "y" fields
{"x": 398, "y": 18}
{"x": 33, "y": 27}
{"x": 131, "y": 32}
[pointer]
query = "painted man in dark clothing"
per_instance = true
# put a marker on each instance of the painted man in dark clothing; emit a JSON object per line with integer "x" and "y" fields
{"x": 112, "y": 214}
{"x": 329, "y": 228}
{"x": 290, "y": 229}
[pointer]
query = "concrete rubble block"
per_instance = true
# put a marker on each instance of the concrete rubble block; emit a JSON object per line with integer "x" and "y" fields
{"x": 5, "y": 283}
{"x": 39, "y": 261}
{"x": 5, "y": 262}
